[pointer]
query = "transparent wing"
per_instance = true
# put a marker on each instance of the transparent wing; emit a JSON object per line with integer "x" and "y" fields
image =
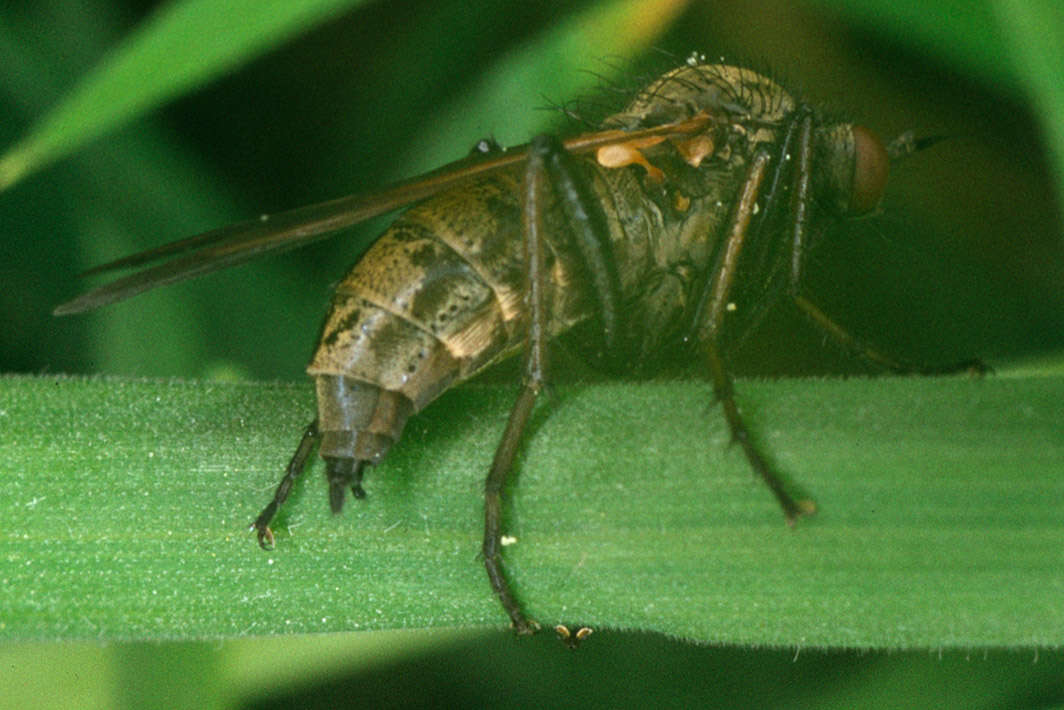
{"x": 235, "y": 244}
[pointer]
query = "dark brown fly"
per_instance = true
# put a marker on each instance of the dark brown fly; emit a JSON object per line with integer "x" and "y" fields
{"x": 689, "y": 210}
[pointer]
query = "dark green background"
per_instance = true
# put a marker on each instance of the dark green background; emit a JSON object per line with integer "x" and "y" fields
{"x": 967, "y": 260}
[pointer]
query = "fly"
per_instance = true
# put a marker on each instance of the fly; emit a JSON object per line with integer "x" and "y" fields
{"x": 679, "y": 220}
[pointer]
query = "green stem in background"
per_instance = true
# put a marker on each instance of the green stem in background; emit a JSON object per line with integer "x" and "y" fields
{"x": 189, "y": 43}
{"x": 124, "y": 507}
{"x": 183, "y": 45}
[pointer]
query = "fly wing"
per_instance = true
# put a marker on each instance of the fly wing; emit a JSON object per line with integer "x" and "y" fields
{"x": 229, "y": 246}
{"x": 237, "y": 243}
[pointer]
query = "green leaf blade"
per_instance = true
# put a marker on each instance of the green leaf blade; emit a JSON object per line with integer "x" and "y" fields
{"x": 184, "y": 45}
{"x": 127, "y": 506}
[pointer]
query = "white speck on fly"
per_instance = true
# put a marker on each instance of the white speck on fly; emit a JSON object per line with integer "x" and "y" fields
{"x": 507, "y": 540}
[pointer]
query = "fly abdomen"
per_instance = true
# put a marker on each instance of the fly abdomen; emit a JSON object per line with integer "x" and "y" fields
{"x": 358, "y": 420}
{"x": 412, "y": 317}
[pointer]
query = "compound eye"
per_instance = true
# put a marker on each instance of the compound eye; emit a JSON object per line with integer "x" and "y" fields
{"x": 871, "y": 164}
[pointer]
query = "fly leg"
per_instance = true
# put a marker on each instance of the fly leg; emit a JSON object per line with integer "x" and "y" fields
{"x": 709, "y": 318}
{"x": 800, "y": 204}
{"x": 548, "y": 162}
{"x": 535, "y": 375}
{"x": 295, "y": 467}
{"x": 866, "y": 352}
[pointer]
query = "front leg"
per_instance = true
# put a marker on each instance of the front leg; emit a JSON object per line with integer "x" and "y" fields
{"x": 801, "y": 201}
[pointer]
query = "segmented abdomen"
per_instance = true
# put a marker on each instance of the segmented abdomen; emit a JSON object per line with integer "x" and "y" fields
{"x": 436, "y": 298}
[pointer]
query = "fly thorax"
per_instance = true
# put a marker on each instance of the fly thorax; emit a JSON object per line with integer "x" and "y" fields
{"x": 701, "y": 173}
{"x": 719, "y": 90}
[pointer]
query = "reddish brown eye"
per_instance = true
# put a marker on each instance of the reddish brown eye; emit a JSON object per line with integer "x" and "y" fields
{"x": 870, "y": 168}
